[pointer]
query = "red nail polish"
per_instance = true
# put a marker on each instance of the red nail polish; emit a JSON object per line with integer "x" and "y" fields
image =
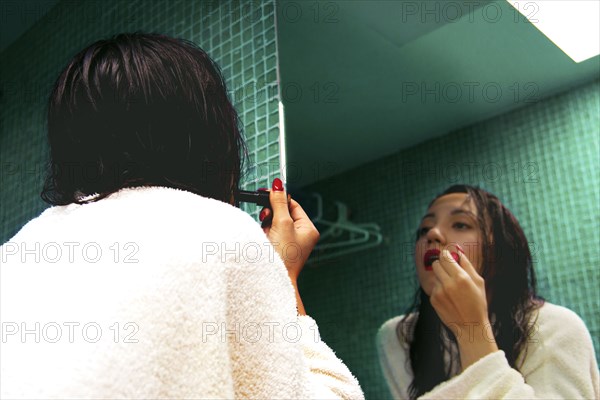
{"x": 262, "y": 214}
{"x": 277, "y": 185}
{"x": 456, "y": 256}
{"x": 263, "y": 189}
{"x": 459, "y": 248}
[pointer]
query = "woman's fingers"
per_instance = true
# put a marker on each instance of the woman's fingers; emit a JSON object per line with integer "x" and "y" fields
{"x": 458, "y": 295}
{"x": 303, "y": 223}
{"x": 279, "y": 202}
{"x": 297, "y": 212}
{"x": 265, "y": 217}
{"x": 466, "y": 265}
{"x": 440, "y": 272}
{"x": 449, "y": 265}
{"x": 291, "y": 232}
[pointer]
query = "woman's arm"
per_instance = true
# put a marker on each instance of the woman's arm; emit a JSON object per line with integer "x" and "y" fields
{"x": 553, "y": 367}
{"x": 293, "y": 236}
{"x": 330, "y": 377}
{"x": 459, "y": 298}
{"x": 393, "y": 353}
{"x": 274, "y": 352}
{"x": 560, "y": 363}
{"x": 299, "y": 304}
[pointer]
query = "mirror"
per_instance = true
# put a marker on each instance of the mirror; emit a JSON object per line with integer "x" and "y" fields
{"x": 387, "y": 103}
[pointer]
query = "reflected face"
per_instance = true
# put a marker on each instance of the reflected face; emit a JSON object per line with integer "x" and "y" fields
{"x": 451, "y": 219}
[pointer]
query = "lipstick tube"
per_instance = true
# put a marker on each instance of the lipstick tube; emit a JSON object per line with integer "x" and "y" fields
{"x": 259, "y": 197}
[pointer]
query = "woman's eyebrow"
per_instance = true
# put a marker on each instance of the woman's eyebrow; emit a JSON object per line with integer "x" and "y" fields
{"x": 430, "y": 215}
{"x": 462, "y": 211}
{"x": 453, "y": 212}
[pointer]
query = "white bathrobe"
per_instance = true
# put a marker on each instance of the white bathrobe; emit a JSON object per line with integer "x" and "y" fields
{"x": 560, "y": 364}
{"x": 156, "y": 293}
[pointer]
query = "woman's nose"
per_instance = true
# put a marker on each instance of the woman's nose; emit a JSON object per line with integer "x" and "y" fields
{"x": 435, "y": 235}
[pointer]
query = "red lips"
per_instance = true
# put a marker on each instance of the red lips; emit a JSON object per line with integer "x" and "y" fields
{"x": 434, "y": 254}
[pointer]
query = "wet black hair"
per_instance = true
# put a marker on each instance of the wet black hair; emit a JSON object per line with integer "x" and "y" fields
{"x": 142, "y": 109}
{"x": 507, "y": 270}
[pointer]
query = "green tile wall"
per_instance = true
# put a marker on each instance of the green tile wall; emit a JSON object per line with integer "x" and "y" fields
{"x": 239, "y": 35}
{"x": 543, "y": 163}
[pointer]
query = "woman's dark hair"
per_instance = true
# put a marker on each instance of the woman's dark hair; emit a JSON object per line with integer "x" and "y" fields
{"x": 510, "y": 279}
{"x": 142, "y": 110}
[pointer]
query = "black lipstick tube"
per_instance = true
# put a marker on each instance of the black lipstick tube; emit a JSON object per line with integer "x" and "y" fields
{"x": 259, "y": 197}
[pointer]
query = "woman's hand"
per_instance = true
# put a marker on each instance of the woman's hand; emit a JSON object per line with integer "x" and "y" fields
{"x": 291, "y": 231}
{"x": 459, "y": 299}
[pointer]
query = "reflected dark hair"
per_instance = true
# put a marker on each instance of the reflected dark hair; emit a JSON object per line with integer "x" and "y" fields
{"x": 510, "y": 280}
{"x": 142, "y": 110}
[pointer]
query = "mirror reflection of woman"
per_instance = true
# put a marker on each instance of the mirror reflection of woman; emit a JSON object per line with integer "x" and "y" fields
{"x": 477, "y": 328}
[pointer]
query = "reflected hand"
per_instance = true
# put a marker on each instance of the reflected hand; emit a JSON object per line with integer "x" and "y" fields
{"x": 458, "y": 296}
{"x": 459, "y": 299}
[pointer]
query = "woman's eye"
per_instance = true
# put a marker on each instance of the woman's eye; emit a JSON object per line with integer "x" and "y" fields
{"x": 460, "y": 225}
{"x": 423, "y": 231}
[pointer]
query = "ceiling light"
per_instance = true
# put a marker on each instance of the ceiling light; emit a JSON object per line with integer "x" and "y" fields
{"x": 572, "y": 25}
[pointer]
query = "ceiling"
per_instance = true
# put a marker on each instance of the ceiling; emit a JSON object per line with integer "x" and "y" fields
{"x": 358, "y": 77}
{"x": 364, "y": 79}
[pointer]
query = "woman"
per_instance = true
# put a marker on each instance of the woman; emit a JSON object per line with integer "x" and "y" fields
{"x": 143, "y": 280}
{"x": 478, "y": 329}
